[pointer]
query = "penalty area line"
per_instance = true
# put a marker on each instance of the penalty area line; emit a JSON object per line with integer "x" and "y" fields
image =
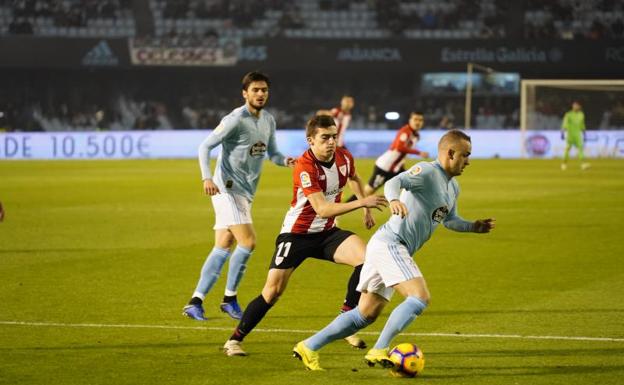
{"x": 302, "y": 331}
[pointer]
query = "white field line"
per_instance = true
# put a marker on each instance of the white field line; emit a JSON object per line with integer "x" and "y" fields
{"x": 303, "y": 331}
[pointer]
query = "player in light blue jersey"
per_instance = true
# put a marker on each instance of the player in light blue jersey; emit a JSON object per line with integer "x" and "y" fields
{"x": 420, "y": 199}
{"x": 246, "y": 135}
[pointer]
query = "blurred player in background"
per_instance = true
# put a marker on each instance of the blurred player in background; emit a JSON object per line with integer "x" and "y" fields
{"x": 309, "y": 230}
{"x": 246, "y": 135}
{"x": 573, "y": 132}
{"x": 1, "y": 212}
{"x": 392, "y": 162}
{"x": 342, "y": 116}
{"x": 420, "y": 199}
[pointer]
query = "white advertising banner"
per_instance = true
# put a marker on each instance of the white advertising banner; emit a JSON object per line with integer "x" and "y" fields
{"x": 362, "y": 143}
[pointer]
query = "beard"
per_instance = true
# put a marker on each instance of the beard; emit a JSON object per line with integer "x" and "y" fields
{"x": 256, "y": 106}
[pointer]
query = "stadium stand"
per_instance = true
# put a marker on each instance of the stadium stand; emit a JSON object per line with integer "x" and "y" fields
{"x": 570, "y": 19}
{"x": 67, "y": 18}
{"x": 429, "y": 19}
{"x": 38, "y": 101}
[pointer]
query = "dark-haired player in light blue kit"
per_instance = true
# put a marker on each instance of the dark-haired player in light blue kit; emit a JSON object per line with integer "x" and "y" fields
{"x": 246, "y": 135}
{"x": 420, "y": 199}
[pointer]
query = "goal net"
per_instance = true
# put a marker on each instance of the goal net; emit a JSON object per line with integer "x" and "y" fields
{"x": 543, "y": 103}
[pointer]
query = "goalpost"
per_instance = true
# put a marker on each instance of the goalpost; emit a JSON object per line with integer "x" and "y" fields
{"x": 543, "y": 102}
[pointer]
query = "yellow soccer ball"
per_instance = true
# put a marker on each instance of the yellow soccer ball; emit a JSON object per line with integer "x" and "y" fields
{"x": 409, "y": 360}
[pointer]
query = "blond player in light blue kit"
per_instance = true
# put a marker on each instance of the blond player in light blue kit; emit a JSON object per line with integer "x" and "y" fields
{"x": 246, "y": 135}
{"x": 420, "y": 199}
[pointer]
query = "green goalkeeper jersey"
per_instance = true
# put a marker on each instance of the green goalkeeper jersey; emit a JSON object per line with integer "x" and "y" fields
{"x": 574, "y": 122}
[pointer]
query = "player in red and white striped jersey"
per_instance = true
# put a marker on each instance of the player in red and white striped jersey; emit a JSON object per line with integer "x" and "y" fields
{"x": 392, "y": 162}
{"x": 342, "y": 116}
{"x": 309, "y": 229}
{"x": 311, "y": 176}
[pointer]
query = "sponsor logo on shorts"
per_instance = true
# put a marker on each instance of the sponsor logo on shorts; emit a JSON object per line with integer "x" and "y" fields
{"x": 305, "y": 179}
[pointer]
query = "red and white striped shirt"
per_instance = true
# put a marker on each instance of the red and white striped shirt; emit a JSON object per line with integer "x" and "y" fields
{"x": 310, "y": 176}
{"x": 342, "y": 120}
{"x": 393, "y": 159}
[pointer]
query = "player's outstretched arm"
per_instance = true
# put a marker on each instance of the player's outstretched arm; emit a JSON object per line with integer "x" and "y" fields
{"x": 277, "y": 157}
{"x": 327, "y": 209}
{"x": 484, "y": 225}
{"x": 356, "y": 185}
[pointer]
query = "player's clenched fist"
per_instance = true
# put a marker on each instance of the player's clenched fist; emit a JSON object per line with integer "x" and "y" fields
{"x": 398, "y": 208}
{"x": 484, "y": 225}
{"x": 210, "y": 188}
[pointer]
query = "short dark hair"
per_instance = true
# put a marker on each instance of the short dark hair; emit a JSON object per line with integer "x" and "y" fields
{"x": 319, "y": 121}
{"x": 254, "y": 76}
{"x": 453, "y": 136}
{"x": 416, "y": 112}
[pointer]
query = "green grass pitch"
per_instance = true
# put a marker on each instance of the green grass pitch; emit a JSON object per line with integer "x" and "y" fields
{"x": 97, "y": 259}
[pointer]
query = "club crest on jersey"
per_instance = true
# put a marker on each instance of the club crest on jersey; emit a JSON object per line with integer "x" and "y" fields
{"x": 305, "y": 179}
{"x": 439, "y": 214}
{"x": 343, "y": 169}
{"x": 415, "y": 170}
{"x": 258, "y": 149}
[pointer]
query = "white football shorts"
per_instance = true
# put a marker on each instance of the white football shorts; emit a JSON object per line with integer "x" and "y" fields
{"x": 230, "y": 210}
{"x": 385, "y": 265}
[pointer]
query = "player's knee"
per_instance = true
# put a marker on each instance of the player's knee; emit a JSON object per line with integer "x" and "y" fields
{"x": 224, "y": 240}
{"x": 370, "y": 314}
{"x": 357, "y": 254}
{"x": 371, "y": 307}
{"x": 248, "y": 242}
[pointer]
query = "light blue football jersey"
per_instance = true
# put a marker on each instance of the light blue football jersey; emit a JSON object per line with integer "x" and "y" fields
{"x": 245, "y": 141}
{"x": 431, "y": 198}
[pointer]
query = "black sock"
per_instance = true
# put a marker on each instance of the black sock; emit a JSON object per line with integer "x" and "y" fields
{"x": 352, "y": 198}
{"x": 196, "y": 301}
{"x": 353, "y": 296}
{"x": 254, "y": 313}
{"x": 229, "y": 298}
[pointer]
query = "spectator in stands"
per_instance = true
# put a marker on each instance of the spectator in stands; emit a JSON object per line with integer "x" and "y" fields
{"x": 20, "y": 26}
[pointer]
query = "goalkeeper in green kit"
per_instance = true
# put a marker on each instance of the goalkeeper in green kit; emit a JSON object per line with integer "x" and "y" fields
{"x": 573, "y": 132}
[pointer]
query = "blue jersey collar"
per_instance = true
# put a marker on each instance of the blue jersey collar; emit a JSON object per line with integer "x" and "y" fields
{"x": 438, "y": 165}
{"x": 246, "y": 110}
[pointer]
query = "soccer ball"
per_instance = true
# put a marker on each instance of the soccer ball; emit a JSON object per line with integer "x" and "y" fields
{"x": 409, "y": 360}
